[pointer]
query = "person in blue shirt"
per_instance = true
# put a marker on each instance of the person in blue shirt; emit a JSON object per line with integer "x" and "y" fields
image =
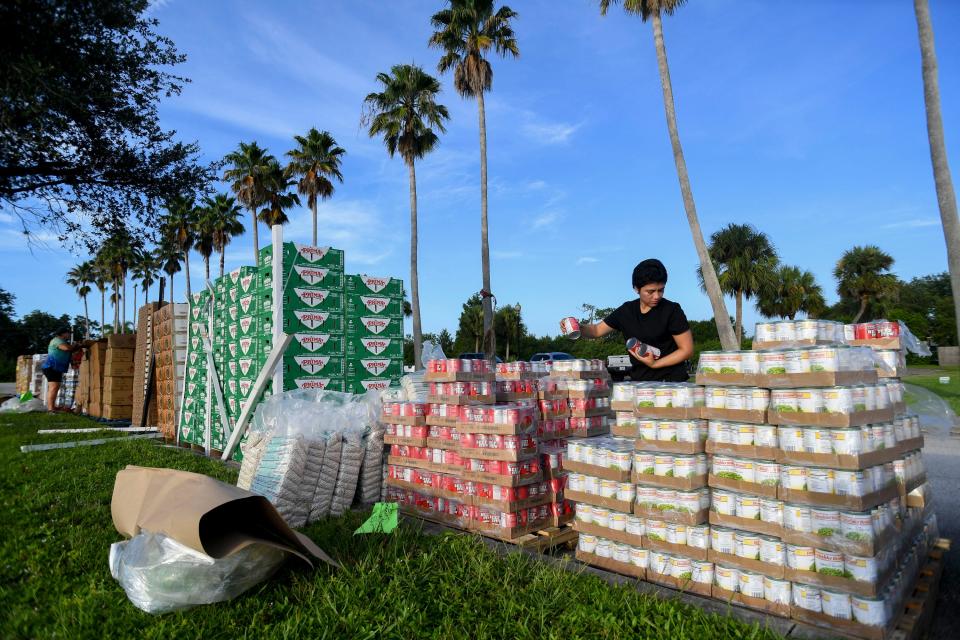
{"x": 57, "y": 363}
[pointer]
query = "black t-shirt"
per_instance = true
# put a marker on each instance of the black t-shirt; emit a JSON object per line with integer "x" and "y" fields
{"x": 656, "y": 327}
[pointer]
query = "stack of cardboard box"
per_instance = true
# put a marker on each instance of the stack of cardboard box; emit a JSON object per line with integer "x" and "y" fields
{"x": 91, "y": 378}
{"x": 170, "y": 345}
{"x": 141, "y": 365}
{"x": 117, "y": 399}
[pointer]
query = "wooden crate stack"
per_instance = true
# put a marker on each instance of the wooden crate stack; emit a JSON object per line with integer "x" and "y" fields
{"x": 170, "y": 343}
{"x": 117, "y": 398}
{"x": 141, "y": 364}
{"x": 90, "y": 387}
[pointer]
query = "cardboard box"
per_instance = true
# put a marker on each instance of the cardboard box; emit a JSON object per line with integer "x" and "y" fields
{"x": 373, "y": 285}
{"x": 503, "y": 480}
{"x": 311, "y": 320}
{"x": 690, "y": 586}
{"x": 671, "y": 413}
{"x": 371, "y": 325}
{"x": 120, "y": 356}
{"x": 459, "y": 376}
{"x": 309, "y": 343}
{"x": 756, "y": 566}
{"x": 313, "y": 365}
{"x": 851, "y": 503}
{"x": 791, "y": 344}
{"x": 580, "y": 375}
{"x": 401, "y": 440}
{"x": 757, "y": 604}
{"x": 118, "y": 369}
{"x": 296, "y": 253}
{"x": 669, "y": 482}
{"x": 818, "y": 379}
{"x": 610, "y": 564}
{"x": 847, "y": 462}
{"x": 117, "y": 411}
{"x": 839, "y": 420}
{"x": 460, "y": 400}
{"x": 122, "y": 341}
{"x": 374, "y": 347}
{"x": 302, "y": 275}
{"x": 859, "y": 548}
{"x": 838, "y": 583}
{"x": 505, "y": 455}
{"x": 496, "y": 429}
{"x": 358, "y": 305}
{"x": 509, "y": 507}
{"x": 373, "y": 367}
{"x": 753, "y": 488}
{"x": 114, "y": 386}
{"x": 622, "y": 405}
{"x": 372, "y": 384}
{"x": 319, "y": 383}
{"x": 604, "y": 473}
{"x": 666, "y": 446}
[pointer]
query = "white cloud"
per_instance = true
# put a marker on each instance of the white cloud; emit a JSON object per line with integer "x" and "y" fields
{"x": 915, "y": 223}
{"x": 6, "y": 218}
{"x": 549, "y": 132}
{"x": 546, "y": 219}
{"x": 587, "y": 260}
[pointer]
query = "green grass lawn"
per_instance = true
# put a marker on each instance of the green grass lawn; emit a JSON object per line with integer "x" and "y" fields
{"x": 949, "y": 392}
{"x": 56, "y": 531}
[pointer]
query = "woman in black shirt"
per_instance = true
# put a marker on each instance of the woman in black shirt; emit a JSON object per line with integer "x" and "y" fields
{"x": 654, "y": 320}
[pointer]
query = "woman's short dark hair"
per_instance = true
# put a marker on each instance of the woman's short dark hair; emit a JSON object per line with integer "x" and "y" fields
{"x": 63, "y": 330}
{"x": 651, "y": 270}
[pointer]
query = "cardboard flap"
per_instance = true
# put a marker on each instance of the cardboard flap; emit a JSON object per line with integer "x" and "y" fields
{"x": 202, "y": 513}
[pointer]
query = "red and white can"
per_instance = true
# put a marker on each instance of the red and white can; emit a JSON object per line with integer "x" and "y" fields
{"x": 570, "y": 327}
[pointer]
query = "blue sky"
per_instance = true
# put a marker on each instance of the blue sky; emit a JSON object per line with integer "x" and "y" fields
{"x": 805, "y": 119}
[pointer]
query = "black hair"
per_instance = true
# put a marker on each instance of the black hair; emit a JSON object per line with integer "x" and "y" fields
{"x": 63, "y": 330}
{"x": 650, "y": 270}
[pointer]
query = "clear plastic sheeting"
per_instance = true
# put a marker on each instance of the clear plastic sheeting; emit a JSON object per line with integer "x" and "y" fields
{"x": 912, "y": 343}
{"x": 14, "y": 405}
{"x": 414, "y": 388}
{"x": 161, "y": 575}
{"x": 312, "y": 453}
{"x": 936, "y": 416}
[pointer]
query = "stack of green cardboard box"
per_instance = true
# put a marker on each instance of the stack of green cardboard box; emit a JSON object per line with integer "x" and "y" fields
{"x": 374, "y": 332}
{"x": 347, "y": 333}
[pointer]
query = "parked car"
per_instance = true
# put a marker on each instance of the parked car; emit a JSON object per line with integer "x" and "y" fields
{"x": 475, "y": 356}
{"x": 550, "y": 356}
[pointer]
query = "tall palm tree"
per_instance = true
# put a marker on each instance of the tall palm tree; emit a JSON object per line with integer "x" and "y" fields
{"x": 203, "y": 237}
{"x": 314, "y": 162}
{"x": 946, "y": 197}
{"x": 225, "y": 222}
{"x": 745, "y": 262}
{"x": 277, "y": 196}
{"x": 510, "y": 320}
{"x": 863, "y": 274}
{"x": 651, "y": 10}
{"x": 100, "y": 280}
{"x": 169, "y": 255}
{"x": 81, "y": 277}
{"x": 180, "y": 224}
{"x": 148, "y": 267}
{"x": 794, "y": 291}
{"x": 465, "y": 33}
{"x": 408, "y": 117}
{"x": 246, "y": 168}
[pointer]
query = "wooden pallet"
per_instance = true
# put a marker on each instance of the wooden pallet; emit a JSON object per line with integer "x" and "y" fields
{"x": 548, "y": 538}
{"x": 919, "y": 607}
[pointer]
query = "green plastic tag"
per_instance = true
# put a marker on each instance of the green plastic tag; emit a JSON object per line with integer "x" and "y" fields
{"x": 382, "y": 520}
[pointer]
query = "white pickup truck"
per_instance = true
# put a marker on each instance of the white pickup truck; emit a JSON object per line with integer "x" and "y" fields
{"x": 619, "y": 367}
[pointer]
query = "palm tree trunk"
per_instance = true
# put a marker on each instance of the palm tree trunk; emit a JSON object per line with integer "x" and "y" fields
{"x": 946, "y": 198}
{"x": 135, "y": 314}
{"x": 256, "y": 239}
{"x": 123, "y": 299}
{"x": 171, "y": 289}
{"x": 863, "y": 307}
{"x": 414, "y": 273}
{"x": 313, "y": 212}
{"x": 489, "y": 339}
{"x": 222, "y": 251}
{"x": 739, "y": 318}
{"x": 206, "y": 266}
{"x": 711, "y": 284}
{"x": 186, "y": 270}
{"x": 103, "y": 309}
{"x": 86, "y": 316}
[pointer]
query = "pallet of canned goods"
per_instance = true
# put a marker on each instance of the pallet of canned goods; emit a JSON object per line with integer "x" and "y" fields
{"x": 796, "y": 333}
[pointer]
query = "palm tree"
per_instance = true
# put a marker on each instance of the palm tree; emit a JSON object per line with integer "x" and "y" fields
{"x": 277, "y": 197}
{"x": 169, "y": 255}
{"x": 100, "y": 280}
{"x": 180, "y": 224}
{"x": 118, "y": 253}
{"x": 793, "y": 291}
{"x": 314, "y": 162}
{"x": 862, "y": 274}
{"x": 149, "y": 265}
{"x": 225, "y": 222}
{"x": 408, "y": 117}
{"x": 203, "y": 237}
{"x": 466, "y": 32}
{"x": 745, "y": 262}
{"x": 946, "y": 198}
{"x": 651, "y": 10}
{"x": 81, "y": 277}
{"x": 510, "y": 320}
{"x": 247, "y": 166}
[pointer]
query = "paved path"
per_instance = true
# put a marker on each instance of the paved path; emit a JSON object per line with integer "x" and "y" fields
{"x": 941, "y": 455}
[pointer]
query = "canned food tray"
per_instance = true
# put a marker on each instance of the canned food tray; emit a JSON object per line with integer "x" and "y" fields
{"x": 670, "y": 413}
{"x": 849, "y": 462}
{"x": 580, "y": 375}
{"x": 599, "y": 501}
{"x": 838, "y": 420}
{"x": 757, "y": 604}
{"x": 853, "y": 503}
{"x": 412, "y": 421}
{"x": 791, "y": 344}
{"x": 609, "y": 564}
{"x": 747, "y": 524}
{"x": 489, "y": 428}
{"x": 458, "y": 376}
{"x": 688, "y": 586}
{"x": 591, "y": 393}
{"x": 740, "y": 486}
{"x": 756, "y": 566}
{"x": 461, "y": 400}
{"x": 742, "y": 450}
{"x": 668, "y": 446}
{"x": 604, "y": 473}
{"x": 401, "y": 440}
{"x": 503, "y": 455}
{"x": 751, "y": 416}
{"x": 590, "y": 413}
{"x": 685, "y": 550}
{"x": 817, "y": 379}
{"x": 670, "y": 515}
{"x": 670, "y": 482}
{"x": 623, "y": 537}
{"x": 501, "y": 479}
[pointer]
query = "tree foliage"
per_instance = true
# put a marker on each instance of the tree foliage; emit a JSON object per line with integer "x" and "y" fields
{"x": 82, "y": 151}
{"x": 863, "y": 275}
{"x": 792, "y": 291}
